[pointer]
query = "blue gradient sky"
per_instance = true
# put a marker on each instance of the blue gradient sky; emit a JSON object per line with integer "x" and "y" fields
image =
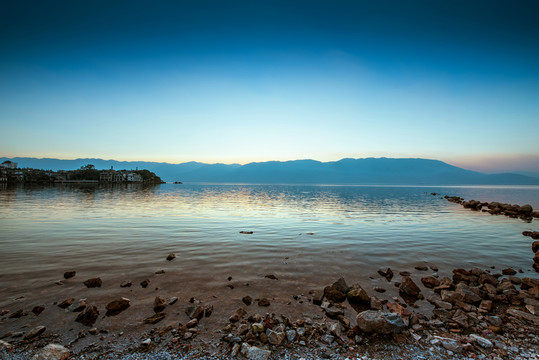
{"x": 241, "y": 81}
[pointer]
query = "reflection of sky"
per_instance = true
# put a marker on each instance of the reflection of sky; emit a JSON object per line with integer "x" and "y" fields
{"x": 365, "y": 227}
{"x": 243, "y": 81}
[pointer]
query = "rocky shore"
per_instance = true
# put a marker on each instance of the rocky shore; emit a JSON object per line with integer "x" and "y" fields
{"x": 414, "y": 313}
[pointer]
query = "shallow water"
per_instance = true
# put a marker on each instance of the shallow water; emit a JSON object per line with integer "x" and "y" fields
{"x": 310, "y": 233}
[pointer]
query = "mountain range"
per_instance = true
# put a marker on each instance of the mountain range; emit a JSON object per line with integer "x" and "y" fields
{"x": 383, "y": 171}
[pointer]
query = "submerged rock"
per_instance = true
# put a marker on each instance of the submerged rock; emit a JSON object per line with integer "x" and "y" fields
{"x": 93, "y": 282}
{"x": 408, "y": 287}
{"x": 69, "y": 274}
{"x": 117, "y": 306}
{"x": 171, "y": 256}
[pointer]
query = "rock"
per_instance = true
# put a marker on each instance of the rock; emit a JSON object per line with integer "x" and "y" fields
{"x": 126, "y": 283}
{"x": 376, "y": 304}
{"x": 264, "y": 302}
{"x": 379, "y": 289}
{"x": 52, "y": 352}
{"x": 535, "y": 246}
{"x": 448, "y": 343}
{"x": 421, "y": 267}
{"x": 357, "y": 294}
{"x": 533, "y": 234}
{"x": 272, "y": 277}
{"x": 145, "y": 283}
{"x": 38, "y": 310}
{"x": 487, "y": 278}
{"x": 523, "y": 316}
{"x": 78, "y": 306}
{"x": 333, "y": 294}
{"x": 195, "y": 312}
{"x": 171, "y": 256}
{"x": 93, "y": 282}
{"x": 159, "y": 304}
{"x": 88, "y": 317}
{"x": 291, "y": 335}
{"x": 485, "y": 306}
{"x": 332, "y": 312}
{"x": 64, "y": 304}
{"x": 408, "y": 287}
{"x": 467, "y": 294}
{"x": 379, "y": 322}
{"x": 146, "y": 343}
{"x": 172, "y": 300}
{"x": 17, "y": 314}
{"x": 4, "y": 345}
{"x": 117, "y": 306}
{"x": 340, "y": 285}
{"x": 154, "y": 319}
{"x": 247, "y": 232}
{"x": 274, "y": 337}
{"x": 481, "y": 341}
{"x": 398, "y": 309}
{"x": 35, "y": 332}
{"x": 247, "y": 300}
{"x": 318, "y": 296}
{"x": 69, "y": 274}
{"x": 159, "y": 272}
{"x": 192, "y": 323}
{"x": 254, "y": 353}
{"x": 386, "y": 272}
{"x": 93, "y": 331}
{"x": 4, "y": 312}
{"x": 430, "y": 281}
{"x": 509, "y": 271}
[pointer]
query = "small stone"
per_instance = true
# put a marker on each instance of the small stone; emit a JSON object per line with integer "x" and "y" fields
{"x": 172, "y": 300}
{"x": 159, "y": 272}
{"x": 17, "y": 314}
{"x": 4, "y": 312}
{"x": 386, "y": 272}
{"x": 246, "y": 232}
{"x": 379, "y": 289}
{"x": 171, "y": 256}
{"x": 421, "y": 267}
{"x": 117, "y": 306}
{"x": 146, "y": 343}
{"x": 35, "y": 332}
{"x": 509, "y": 271}
{"x": 379, "y": 322}
{"x": 4, "y": 345}
{"x": 126, "y": 283}
{"x": 93, "y": 331}
{"x": 52, "y": 352}
{"x": 408, "y": 287}
{"x": 93, "y": 282}
{"x": 481, "y": 341}
{"x": 264, "y": 302}
{"x": 38, "y": 310}
{"x": 67, "y": 302}
{"x": 430, "y": 281}
{"x": 79, "y": 306}
{"x": 274, "y": 337}
{"x": 247, "y": 300}
{"x": 192, "y": 323}
{"x": 89, "y": 316}
{"x": 257, "y": 328}
{"x": 272, "y": 277}
{"x": 154, "y": 319}
{"x": 69, "y": 274}
{"x": 159, "y": 304}
{"x": 145, "y": 283}
{"x": 254, "y": 353}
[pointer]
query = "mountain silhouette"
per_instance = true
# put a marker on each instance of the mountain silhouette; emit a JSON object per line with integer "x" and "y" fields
{"x": 375, "y": 171}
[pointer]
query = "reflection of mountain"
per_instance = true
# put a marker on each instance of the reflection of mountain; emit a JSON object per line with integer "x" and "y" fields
{"x": 345, "y": 171}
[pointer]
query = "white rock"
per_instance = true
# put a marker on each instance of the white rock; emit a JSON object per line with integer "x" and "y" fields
{"x": 52, "y": 352}
{"x": 254, "y": 353}
{"x": 5, "y": 345}
{"x": 481, "y": 341}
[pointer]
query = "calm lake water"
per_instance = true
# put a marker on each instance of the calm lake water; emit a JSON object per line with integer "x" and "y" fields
{"x": 307, "y": 232}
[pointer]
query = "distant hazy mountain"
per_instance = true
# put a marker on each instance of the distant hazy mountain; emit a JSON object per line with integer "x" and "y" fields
{"x": 345, "y": 171}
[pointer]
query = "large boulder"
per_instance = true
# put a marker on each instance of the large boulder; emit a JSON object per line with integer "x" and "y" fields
{"x": 379, "y": 322}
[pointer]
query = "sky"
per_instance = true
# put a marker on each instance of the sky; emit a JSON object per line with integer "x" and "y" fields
{"x": 242, "y": 81}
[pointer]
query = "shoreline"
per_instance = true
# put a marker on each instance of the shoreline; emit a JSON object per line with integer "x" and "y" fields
{"x": 435, "y": 313}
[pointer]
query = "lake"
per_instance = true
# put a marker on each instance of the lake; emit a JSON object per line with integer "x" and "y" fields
{"x": 312, "y": 233}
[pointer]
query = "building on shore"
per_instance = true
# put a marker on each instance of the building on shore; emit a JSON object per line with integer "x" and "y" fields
{"x": 9, "y": 165}
{"x": 110, "y": 176}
